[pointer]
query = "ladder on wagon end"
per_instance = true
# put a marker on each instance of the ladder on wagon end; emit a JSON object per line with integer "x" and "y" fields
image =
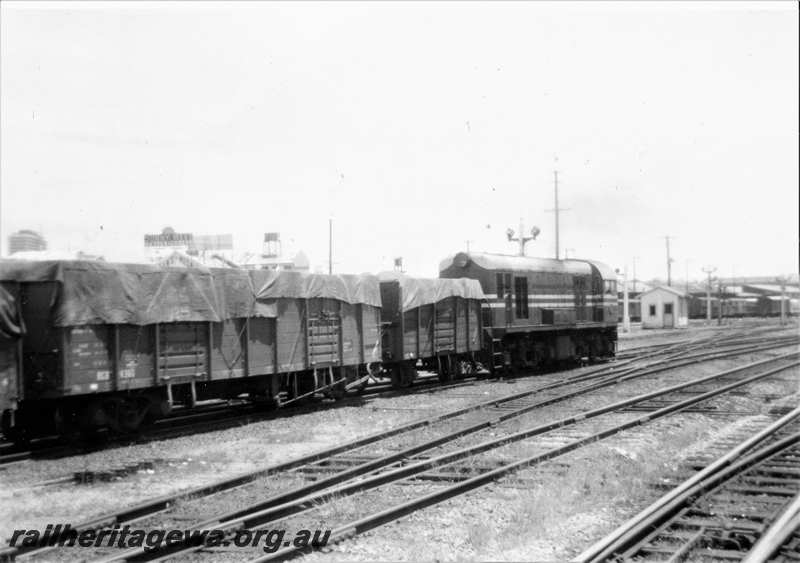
{"x": 498, "y": 363}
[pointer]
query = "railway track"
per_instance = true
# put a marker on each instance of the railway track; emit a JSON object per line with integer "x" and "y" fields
{"x": 744, "y": 506}
{"x": 212, "y": 418}
{"x": 352, "y": 470}
{"x": 476, "y": 469}
{"x": 217, "y": 417}
{"x": 221, "y": 415}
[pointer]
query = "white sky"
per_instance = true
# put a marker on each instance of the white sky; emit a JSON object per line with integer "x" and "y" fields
{"x": 417, "y": 126}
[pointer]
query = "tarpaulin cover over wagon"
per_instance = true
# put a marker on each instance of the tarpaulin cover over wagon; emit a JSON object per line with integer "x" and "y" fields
{"x": 101, "y": 293}
{"x": 423, "y": 291}
{"x": 353, "y": 289}
{"x": 89, "y": 292}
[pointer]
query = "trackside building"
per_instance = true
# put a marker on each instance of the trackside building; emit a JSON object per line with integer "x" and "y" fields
{"x": 664, "y": 307}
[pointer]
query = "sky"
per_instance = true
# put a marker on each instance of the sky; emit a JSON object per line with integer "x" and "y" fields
{"x": 415, "y": 126}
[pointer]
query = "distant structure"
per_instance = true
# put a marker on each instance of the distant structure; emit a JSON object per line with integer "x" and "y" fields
{"x": 26, "y": 241}
{"x": 664, "y": 307}
{"x": 159, "y": 246}
{"x": 165, "y": 246}
{"x": 274, "y": 257}
{"x": 44, "y": 255}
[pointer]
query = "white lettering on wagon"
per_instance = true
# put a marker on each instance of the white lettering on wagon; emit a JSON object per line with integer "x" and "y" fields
{"x": 103, "y": 375}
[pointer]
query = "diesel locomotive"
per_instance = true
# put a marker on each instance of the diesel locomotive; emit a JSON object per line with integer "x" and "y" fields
{"x": 541, "y": 311}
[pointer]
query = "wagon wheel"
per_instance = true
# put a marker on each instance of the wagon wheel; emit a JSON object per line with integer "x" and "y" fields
{"x": 338, "y": 391}
{"x": 445, "y": 374}
{"x": 396, "y": 374}
{"x": 459, "y": 368}
{"x": 17, "y": 434}
{"x": 465, "y": 368}
{"x": 409, "y": 375}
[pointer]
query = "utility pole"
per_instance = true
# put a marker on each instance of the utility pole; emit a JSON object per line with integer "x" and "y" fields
{"x": 782, "y": 281}
{"x": 669, "y": 262}
{"x": 468, "y": 241}
{"x": 557, "y": 210}
{"x": 687, "y": 277}
{"x": 626, "y": 319}
{"x": 555, "y": 187}
{"x": 330, "y": 246}
{"x": 708, "y": 270}
{"x": 719, "y": 311}
{"x": 634, "y": 273}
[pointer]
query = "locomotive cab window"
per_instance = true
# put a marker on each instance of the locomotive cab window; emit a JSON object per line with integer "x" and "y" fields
{"x": 611, "y": 287}
{"x": 521, "y": 297}
{"x": 503, "y": 285}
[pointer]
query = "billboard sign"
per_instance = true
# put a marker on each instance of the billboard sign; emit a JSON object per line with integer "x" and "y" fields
{"x": 168, "y": 239}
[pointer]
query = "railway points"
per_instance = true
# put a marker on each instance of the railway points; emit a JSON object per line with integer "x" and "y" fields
{"x": 599, "y": 375}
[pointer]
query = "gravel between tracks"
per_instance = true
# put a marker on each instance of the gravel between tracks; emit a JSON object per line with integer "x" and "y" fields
{"x": 186, "y": 462}
{"x": 183, "y": 463}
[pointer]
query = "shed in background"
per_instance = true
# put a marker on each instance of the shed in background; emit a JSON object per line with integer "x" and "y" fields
{"x": 664, "y": 307}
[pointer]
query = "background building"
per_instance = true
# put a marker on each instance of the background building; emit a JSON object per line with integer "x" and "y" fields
{"x": 26, "y": 241}
{"x": 166, "y": 245}
{"x": 664, "y": 307}
{"x": 275, "y": 257}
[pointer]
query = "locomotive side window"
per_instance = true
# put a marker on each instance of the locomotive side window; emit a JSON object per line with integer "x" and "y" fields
{"x": 521, "y": 294}
{"x": 500, "y": 288}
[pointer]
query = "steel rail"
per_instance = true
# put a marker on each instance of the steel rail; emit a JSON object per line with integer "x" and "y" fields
{"x": 164, "y": 502}
{"x": 777, "y": 534}
{"x": 393, "y": 513}
{"x": 253, "y": 516}
{"x": 634, "y": 538}
{"x": 385, "y": 461}
{"x": 612, "y": 543}
{"x": 148, "y": 508}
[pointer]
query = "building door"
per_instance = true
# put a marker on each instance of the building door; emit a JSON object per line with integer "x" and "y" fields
{"x": 669, "y": 316}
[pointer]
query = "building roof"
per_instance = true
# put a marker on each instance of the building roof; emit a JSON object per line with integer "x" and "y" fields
{"x": 665, "y": 288}
{"x": 773, "y": 288}
{"x": 511, "y": 262}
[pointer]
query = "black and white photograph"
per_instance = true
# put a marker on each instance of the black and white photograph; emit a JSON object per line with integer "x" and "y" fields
{"x": 402, "y": 280}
